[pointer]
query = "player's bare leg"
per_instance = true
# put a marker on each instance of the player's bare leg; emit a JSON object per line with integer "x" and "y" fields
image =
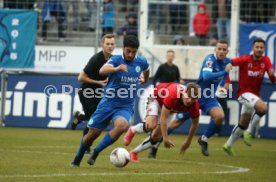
{"x": 260, "y": 110}
{"x": 85, "y": 143}
{"x": 120, "y": 126}
{"x": 144, "y": 127}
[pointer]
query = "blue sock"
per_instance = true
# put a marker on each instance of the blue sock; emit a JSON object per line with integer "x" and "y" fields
{"x": 169, "y": 132}
{"x": 212, "y": 128}
{"x": 106, "y": 141}
{"x": 82, "y": 149}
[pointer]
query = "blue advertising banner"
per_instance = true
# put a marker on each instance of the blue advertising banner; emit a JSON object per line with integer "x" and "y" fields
{"x": 17, "y": 38}
{"x": 43, "y": 101}
{"x": 249, "y": 32}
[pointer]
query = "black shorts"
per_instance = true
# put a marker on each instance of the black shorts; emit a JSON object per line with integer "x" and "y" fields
{"x": 89, "y": 105}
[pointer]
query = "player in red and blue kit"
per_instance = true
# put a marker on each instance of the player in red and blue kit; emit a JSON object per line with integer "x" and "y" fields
{"x": 214, "y": 71}
{"x": 118, "y": 101}
{"x": 252, "y": 69}
{"x": 167, "y": 98}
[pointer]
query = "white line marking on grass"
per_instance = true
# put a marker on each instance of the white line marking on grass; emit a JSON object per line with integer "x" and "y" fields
{"x": 46, "y": 147}
{"x": 232, "y": 169}
{"x": 235, "y": 169}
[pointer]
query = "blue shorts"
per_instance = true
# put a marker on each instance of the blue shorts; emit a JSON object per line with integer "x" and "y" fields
{"x": 107, "y": 112}
{"x": 207, "y": 104}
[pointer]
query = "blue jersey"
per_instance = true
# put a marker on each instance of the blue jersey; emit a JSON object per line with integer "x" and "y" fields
{"x": 121, "y": 88}
{"x": 212, "y": 74}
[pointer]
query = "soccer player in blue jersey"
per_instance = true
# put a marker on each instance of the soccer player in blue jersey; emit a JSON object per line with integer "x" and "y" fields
{"x": 118, "y": 101}
{"x": 214, "y": 71}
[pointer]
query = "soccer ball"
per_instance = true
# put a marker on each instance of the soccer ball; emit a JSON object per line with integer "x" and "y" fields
{"x": 119, "y": 157}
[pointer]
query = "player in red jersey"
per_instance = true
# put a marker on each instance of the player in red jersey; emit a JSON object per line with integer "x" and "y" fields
{"x": 168, "y": 98}
{"x": 252, "y": 69}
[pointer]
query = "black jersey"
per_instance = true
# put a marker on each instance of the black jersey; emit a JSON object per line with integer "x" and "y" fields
{"x": 166, "y": 73}
{"x": 92, "y": 70}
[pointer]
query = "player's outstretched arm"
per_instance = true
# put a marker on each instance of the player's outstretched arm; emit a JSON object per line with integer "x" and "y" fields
{"x": 163, "y": 124}
{"x": 191, "y": 134}
{"x": 108, "y": 68}
{"x": 209, "y": 75}
{"x": 83, "y": 77}
{"x": 146, "y": 74}
{"x": 271, "y": 75}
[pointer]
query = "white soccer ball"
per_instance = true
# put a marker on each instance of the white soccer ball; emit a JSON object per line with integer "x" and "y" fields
{"x": 119, "y": 157}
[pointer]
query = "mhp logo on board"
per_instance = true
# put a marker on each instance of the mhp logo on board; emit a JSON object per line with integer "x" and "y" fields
{"x": 267, "y": 32}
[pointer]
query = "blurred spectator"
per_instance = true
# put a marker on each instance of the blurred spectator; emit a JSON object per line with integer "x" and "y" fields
{"x": 125, "y": 5}
{"x": 213, "y": 40}
{"x": 19, "y": 4}
{"x": 130, "y": 27}
{"x": 257, "y": 11}
{"x": 178, "y": 40}
{"x": 54, "y": 8}
{"x": 88, "y": 13}
{"x": 201, "y": 23}
{"x": 154, "y": 17}
{"x": 75, "y": 10}
{"x": 192, "y": 12}
{"x": 91, "y": 13}
{"x": 108, "y": 17}
{"x": 177, "y": 15}
{"x": 222, "y": 16}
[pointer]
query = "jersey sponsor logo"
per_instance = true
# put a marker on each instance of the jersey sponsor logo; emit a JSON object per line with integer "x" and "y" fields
{"x": 258, "y": 74}
{"x": 253, "y": 73}
{"x": 127, "y": 79}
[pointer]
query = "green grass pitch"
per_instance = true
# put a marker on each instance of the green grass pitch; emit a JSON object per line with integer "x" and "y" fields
{"x": 45, "y": 155}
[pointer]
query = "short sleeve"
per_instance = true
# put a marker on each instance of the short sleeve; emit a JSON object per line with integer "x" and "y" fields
{"x": 195, "y": 110}
{"x": 268, "y": 64}
{"x": 113, "y": 61}
{"x": 87, "y": 69}
{"x": 238, "y": 61}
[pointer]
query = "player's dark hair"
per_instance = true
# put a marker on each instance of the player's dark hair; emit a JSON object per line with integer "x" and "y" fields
{"x": 131, "y": 41}
{"x": 108, "y": 36}
{"x": 258, "y": 40}
{"x": 223, "y": 41}
{"x": 192, "y": 90}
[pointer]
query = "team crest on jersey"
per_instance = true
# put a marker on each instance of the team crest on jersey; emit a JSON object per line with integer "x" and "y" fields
{"x": 209, "y": 63}
{"x": 180, "y": 116}
{"x": 138, "y": 69}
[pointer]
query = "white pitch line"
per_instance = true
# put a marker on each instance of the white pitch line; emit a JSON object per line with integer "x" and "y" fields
{"x": 233, "y": 169}
{"x": 45, "y": 147}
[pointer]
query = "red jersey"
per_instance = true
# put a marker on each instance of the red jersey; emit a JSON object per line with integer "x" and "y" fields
{"x": 251, "y": 73}
{"x": 169, "y": 94}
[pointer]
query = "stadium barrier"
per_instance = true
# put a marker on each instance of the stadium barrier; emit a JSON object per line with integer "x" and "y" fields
{"x": 48, "y": 101}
